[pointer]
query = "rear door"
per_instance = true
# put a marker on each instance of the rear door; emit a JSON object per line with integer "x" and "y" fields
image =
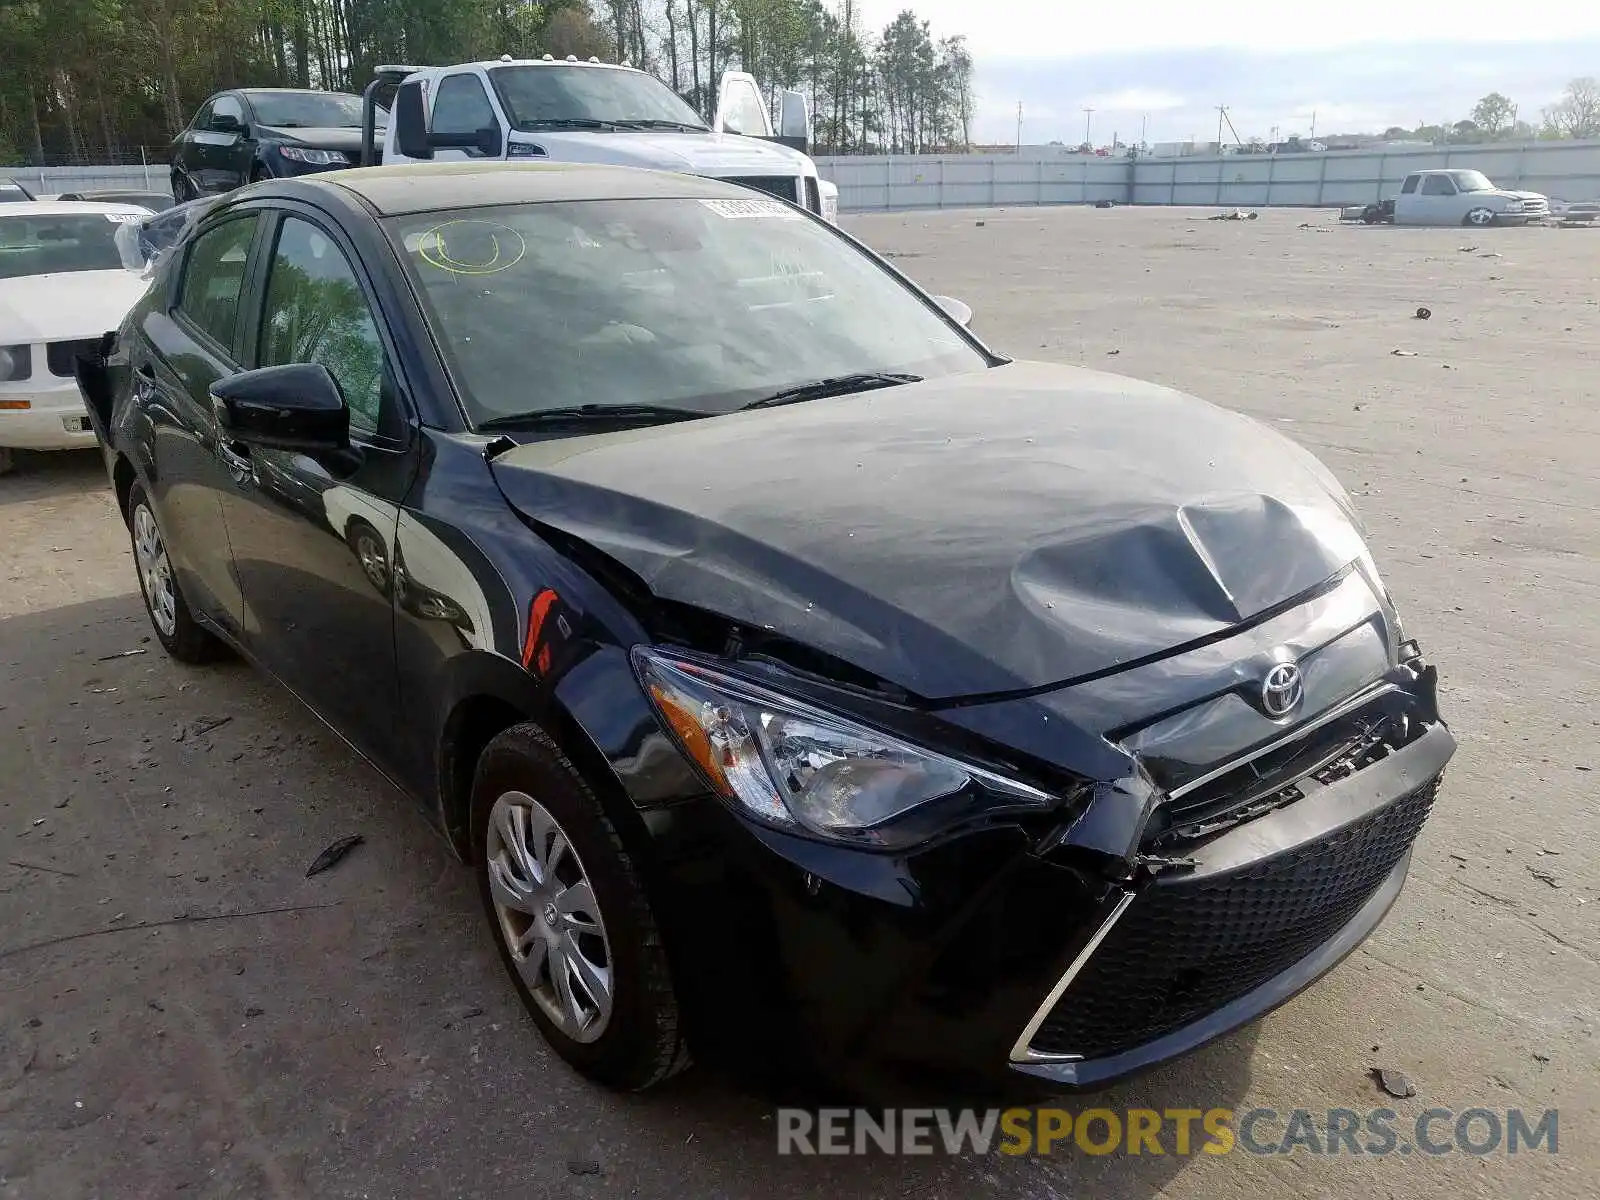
{"x": 187, "y": 345}
{"x": 313, "y": 539}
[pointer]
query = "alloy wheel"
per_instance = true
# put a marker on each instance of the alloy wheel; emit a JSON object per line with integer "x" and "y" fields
{"x": 155, "y": 571}
{"x": 1481, "y": 217}
{"x": 549, "y": 917}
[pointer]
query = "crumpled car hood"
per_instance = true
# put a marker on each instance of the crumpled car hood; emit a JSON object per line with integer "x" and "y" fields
{"x": 1000, "y": 530}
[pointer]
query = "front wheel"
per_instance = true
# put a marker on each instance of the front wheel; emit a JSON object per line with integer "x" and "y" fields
{"x": 1480, "y": 217}
{"x": 179, "y": 633}
{"x": 571, "y": 916}
{"x": 182, "y": 190}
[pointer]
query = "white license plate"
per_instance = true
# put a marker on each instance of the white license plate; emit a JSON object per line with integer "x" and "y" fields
{"x": 76, "y": 424}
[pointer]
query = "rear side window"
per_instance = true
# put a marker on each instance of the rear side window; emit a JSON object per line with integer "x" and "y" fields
{"x": 1410, "y": 185}
{"x": 213, "y": 278}
{"x": 461, "y": 106}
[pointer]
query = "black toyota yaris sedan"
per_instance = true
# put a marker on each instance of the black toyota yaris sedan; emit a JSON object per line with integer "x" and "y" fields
{"x": 797, "y": 674}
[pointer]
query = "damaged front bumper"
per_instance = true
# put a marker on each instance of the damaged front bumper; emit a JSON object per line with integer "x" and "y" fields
{"x": 1021, "y": 957}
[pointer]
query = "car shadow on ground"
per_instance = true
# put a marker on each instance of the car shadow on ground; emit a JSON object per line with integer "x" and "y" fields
{"x": 37, "y": 476}
{"x": 183, "y": 1006}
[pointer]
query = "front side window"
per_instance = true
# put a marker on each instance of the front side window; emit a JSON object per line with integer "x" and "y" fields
{"x": 226, "y": 107}
{"x": 704, "y": 305}
{"x": 316, "y": 312}
{"x": 535, "y": 96}
{"x": 41, "y": 245}
{"x": 1437, "y": 185}
{"x": 213, "y": 278}
{"x": 461, "y": 106}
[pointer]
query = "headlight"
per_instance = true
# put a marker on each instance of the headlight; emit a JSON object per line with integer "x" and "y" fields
{"x": 16, "y": 362}
{"x": 315, "y": 158}
{"x": 1514, "y": 206}
{"x": 829, "y": 194}
{"x": 802, "y": 769}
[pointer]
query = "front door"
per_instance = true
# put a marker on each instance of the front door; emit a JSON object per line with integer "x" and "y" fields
{"x": 185, "y": 349}
{"x": 313, "y": 539}
{"x": 1438, "y": 201}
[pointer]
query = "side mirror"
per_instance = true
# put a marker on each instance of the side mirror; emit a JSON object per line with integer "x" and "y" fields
{"x": 958, "y": 312}
{"x": 794, "y": 121}
{"x": 411, "y": 122}
{"x": 485, "y": 141}
{"x": 226, "y": 123}
{"x": 296, "y": 407}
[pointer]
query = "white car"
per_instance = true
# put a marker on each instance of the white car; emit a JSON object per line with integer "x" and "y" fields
{"x": 63, "y": 285}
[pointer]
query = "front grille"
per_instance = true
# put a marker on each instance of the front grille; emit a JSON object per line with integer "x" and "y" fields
{"x": 62, "y": 356}
{"x": 784, "y": 187}
{"x": 1187, "y": 947}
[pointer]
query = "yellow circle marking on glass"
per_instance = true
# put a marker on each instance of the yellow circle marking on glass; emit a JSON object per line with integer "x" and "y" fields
{"x": 433, "y": 249}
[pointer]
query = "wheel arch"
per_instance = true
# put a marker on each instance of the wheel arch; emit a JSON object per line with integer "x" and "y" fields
{"x": 491, "y": 695}
{"x": 123, "y": 477}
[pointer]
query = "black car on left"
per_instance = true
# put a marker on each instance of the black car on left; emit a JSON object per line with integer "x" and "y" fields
{"x": 244, "y": 136}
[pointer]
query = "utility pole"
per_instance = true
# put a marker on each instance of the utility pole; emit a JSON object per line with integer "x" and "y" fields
{"x": 1222, "y": 111}
{"x": 1088, "y": 120}
{"x": 1313, "y": 125}
{"x": 1019, "y": 126}
{"x": 1144, "y": 125}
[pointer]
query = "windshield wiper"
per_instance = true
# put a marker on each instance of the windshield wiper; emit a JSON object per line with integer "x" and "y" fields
{"x": 834, "y": 385}
{"x": 578, "y": 413}
{"x": 654, "y": 123}
{"x": 566, "y": 123}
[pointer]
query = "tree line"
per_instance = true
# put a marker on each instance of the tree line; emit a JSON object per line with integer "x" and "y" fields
{"x": 1497, "y": 118}
{"x": 95, "y": 80}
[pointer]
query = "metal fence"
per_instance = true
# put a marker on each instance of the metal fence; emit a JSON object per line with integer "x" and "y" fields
{"x": 1039, "y": 175}
{"x": 52, "y": 181}
{"x": 1562, "y": 170}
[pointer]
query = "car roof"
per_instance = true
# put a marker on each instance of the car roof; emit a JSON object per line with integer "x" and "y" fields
{"x": 531, "y": 62}
{"x": 429, "y": 187}
{"x": 70, "y": 208}
{"x": 289, "y": 92}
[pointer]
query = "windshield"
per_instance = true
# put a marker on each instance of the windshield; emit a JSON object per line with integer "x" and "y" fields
{"x": 309, "y": 110}
{"x": 532, "y": 95}
{"x": 43, "y": 245}
{"x": 702, "y": 305}
{"x": 1471, "y": 181}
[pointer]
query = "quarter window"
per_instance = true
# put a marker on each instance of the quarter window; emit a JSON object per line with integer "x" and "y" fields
{"x": 213, "y": 278}
{"x": 316, "y": 312}
{"x": 1410, "y": 185}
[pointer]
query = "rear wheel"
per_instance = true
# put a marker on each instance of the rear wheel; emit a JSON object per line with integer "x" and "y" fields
{"x": 8, "y": 460}
{"x": 1480, "y": 217}
{"x": 571, "y": 916}
{"x": 180, "y": 635}
{"x": 259, "y": 172}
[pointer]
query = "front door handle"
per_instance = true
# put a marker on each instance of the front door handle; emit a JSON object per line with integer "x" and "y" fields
{"x": 236, "y": 457}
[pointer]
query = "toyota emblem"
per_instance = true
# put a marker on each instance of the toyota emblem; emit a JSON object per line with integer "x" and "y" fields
{"x": 1282, "y": 690}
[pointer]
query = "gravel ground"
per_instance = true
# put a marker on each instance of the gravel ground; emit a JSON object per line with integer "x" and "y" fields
{"x": 182, "y": 1010}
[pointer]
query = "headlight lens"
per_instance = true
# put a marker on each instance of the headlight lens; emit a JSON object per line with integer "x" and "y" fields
{"x": 16, "y": 362}
{"x": 315, "y": 158}
{"x": 799, "y": 768}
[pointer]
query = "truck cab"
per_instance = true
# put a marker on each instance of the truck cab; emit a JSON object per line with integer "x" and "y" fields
{"x": 566, "y": 110}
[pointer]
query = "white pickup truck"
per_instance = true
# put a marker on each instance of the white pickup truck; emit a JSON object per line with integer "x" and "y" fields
{"x": 1452, "y": 197}
{"x": 571, "y": 111}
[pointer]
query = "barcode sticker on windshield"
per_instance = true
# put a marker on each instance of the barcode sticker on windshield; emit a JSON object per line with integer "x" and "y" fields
{"x": 124, "y": 218}
{"x": 734, "y": 209}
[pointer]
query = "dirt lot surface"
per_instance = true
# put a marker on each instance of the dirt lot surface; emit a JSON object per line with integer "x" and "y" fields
{"x": 181, "y": 1010}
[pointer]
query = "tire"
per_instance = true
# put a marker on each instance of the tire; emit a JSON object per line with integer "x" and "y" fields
{"x": 259, "y": 172}
{"x": 182, "y": 190}
{"x": 8, "y": 460}
{"x": 179, "y": 633}
{"x": 366, "y": 543}
{"x": 635, "y": 1043}
{"x": 1479, "y": 218}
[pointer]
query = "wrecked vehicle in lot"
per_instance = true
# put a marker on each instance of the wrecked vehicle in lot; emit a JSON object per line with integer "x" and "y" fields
{"x": 835, "y": 687}
{"x": 1451, "y": 197}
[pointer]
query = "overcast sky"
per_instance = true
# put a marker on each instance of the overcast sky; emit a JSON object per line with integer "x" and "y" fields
{"x": 1360, "y": 65}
